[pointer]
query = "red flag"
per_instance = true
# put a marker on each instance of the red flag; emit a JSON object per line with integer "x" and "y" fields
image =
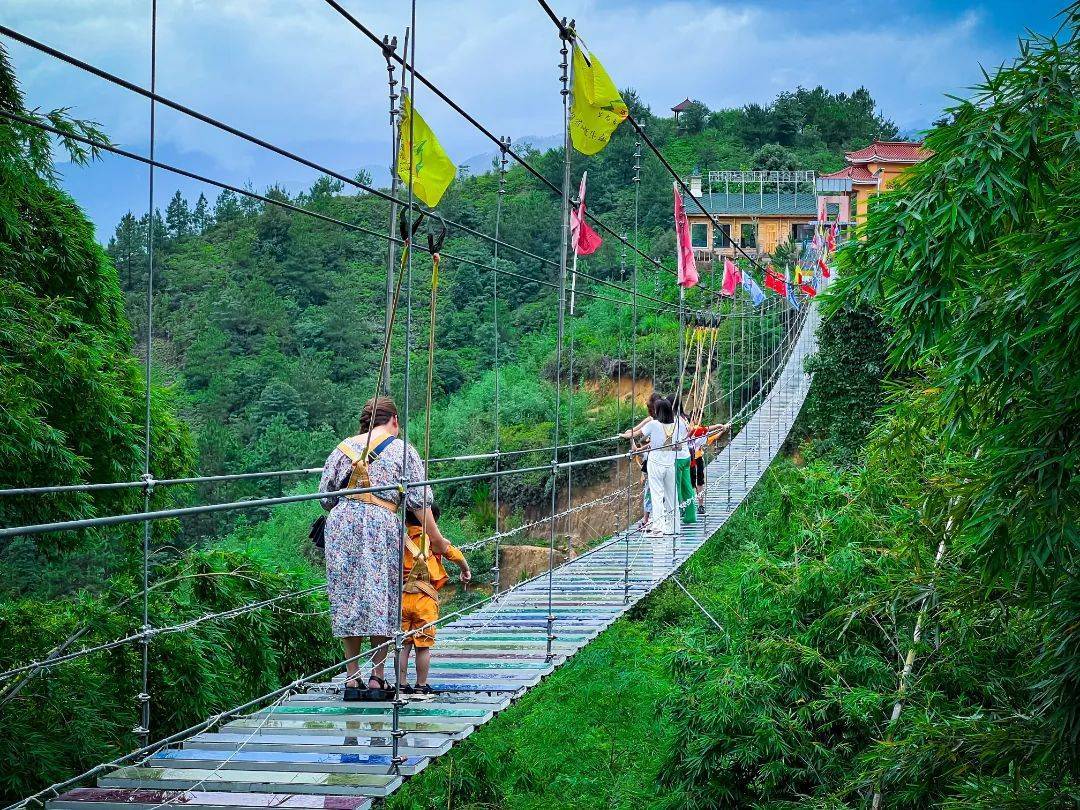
{"x": 774, "y": 281}
{"x": 688, "y": 276}
{"x": 585, "y": 239}
{"x": 808, "y": 289}
{"x": 824, "y": 268}
{"x": 732, "y": 277}
{"x": 834, "y": 232}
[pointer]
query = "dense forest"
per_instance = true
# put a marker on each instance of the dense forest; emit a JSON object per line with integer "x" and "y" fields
{"x": 943, "y": 416}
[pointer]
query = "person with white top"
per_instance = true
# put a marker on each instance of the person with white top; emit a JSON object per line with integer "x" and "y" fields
{"x": 661, "y": 433}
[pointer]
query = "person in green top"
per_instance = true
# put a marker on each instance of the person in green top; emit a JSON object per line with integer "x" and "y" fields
{"x": 684, "y": 488}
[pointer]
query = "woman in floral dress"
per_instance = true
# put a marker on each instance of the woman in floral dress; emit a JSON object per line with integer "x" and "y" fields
{"x": 363, "y": 535}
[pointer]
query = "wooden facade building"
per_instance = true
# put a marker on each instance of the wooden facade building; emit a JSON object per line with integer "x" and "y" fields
{"x": 755, "y": 210}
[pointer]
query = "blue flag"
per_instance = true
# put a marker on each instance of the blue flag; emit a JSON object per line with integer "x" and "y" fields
{"x": 792, "y": 298}
{"x": 751, "y": 286}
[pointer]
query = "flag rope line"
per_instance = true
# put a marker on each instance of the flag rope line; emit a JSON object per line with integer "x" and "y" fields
{"x": 367, "y": 32}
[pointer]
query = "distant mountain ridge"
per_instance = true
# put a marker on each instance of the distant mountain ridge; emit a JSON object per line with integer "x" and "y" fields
{"x": 482, "y": 163}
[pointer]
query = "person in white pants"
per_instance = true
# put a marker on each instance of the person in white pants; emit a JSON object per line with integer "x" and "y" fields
{"x": 660, "y": 431}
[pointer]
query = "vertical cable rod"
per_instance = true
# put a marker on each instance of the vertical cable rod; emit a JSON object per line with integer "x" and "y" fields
{"x": 504, "y": 144}
{"x": 396, "y": 731}
{"x": 143, "y": 729}
{"x": 730, "y": 395}
{"x": 633, "y": 367}
{"x": 564, "y": 227}
{"x": 389, "y": 47}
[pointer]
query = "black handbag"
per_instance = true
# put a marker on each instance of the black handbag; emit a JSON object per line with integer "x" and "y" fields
{"x": 318, "y": 532}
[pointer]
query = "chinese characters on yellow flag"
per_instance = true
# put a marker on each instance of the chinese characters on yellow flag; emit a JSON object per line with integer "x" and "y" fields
{"x": 596, "y": 108}
{"x": 422, "y": 155}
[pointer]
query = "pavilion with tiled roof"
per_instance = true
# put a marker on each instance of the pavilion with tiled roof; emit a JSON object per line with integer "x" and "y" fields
{"x": 681, "y": 107}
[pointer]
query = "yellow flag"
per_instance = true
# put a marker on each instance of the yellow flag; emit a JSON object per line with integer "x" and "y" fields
{"x": 432, "y": 170}
{"x": 596, "y": 108}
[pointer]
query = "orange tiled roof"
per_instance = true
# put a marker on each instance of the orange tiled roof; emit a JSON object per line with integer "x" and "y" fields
{"x": 857, "y": 174}
{"x": 890, "y": 151}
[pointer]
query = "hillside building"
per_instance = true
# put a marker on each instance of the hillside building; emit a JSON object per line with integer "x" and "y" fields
{"x": 756, "y": 210}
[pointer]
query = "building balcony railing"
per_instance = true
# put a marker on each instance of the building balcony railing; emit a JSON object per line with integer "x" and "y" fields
{"x": 707, "y": 255}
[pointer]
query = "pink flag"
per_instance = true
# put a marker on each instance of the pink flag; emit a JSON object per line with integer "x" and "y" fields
{"x": 834, "y": 231}
{"x": 585, "y": 239}
{"x": 688, "y": 276}
{"x": 732, "y": 277}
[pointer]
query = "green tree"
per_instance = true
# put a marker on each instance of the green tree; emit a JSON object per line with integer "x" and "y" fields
{"x": 773, "y": 157}
{"x": 201, "y": 218}
{"x": 127, "y": 248}
{"x": 693, "y": 119}
{"x": 974, "y": 264}
{"x": 226, "y": 207}
{"x": 178, "y": 217}
{"x": 363, "y": 176}
{"x": 71, "y": 392}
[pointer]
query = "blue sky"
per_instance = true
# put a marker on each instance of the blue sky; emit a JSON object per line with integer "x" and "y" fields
{"x": 295, "y": 73}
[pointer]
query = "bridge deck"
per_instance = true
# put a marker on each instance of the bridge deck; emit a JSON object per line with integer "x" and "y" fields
{"x": 314, "y": 752}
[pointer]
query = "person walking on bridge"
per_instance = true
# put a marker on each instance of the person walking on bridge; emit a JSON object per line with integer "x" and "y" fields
{"x": 683, "y": 485}
{"x": 660, "y": 432}
{"x": 363, "y": 536}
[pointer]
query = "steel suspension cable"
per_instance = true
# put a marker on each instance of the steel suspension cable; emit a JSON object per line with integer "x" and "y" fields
{"x": 107, "y": 147}
{"x": 54, "y": 660}
{"x": 153, "y": 96}
{"x": 387, "y": 48}
{"x": 148, "y": 633}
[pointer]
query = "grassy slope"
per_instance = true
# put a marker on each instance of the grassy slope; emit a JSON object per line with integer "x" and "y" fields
{"x": 596, "y": 733}
{"x": 588, "y": 736}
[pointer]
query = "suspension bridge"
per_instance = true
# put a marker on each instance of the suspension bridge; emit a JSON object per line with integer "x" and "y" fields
{"x": 309, "y": 750}
{"x": 302, "y": 746}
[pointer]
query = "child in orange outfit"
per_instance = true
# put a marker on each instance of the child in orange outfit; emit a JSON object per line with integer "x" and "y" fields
{"x": 424, "y": 577}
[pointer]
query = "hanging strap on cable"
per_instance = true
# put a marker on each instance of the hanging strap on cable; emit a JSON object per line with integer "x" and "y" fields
{"x": 406, "y": 232}
{"x": 698, "y": 336}
{"x": 435, "y": 242}
{"x": 703, "y": 396}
